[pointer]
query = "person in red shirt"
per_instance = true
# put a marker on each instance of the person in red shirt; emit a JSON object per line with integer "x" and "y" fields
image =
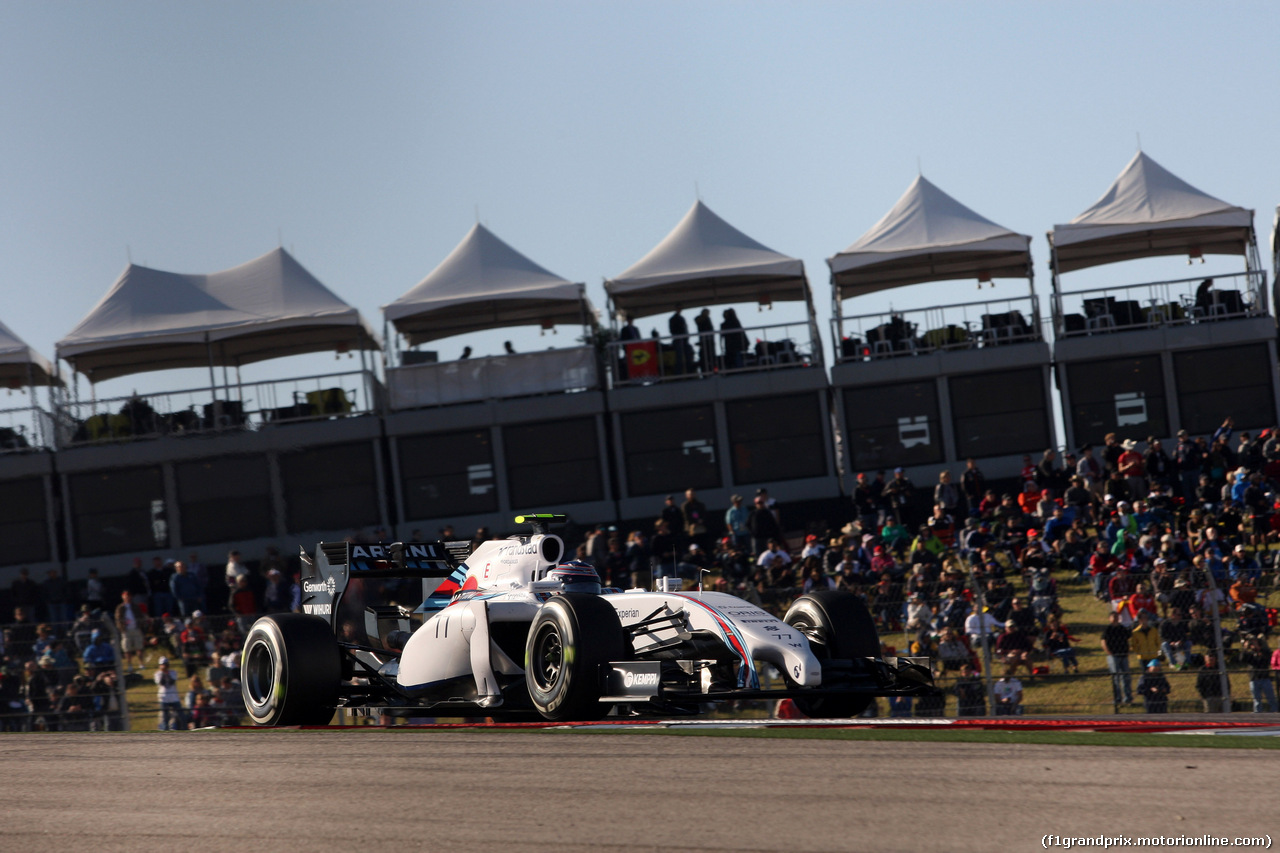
{"x": 1132, "y": 468}
{"x": 1101, "y": 566}
{"x": 1143, "y": 600}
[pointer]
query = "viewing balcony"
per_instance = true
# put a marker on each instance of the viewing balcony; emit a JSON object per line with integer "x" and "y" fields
{"x": 247, "y": 406}
{"x": 1158, "y": 304}
{"x": 553, "y": 371}
{"x": 758, "y": 348}
{"x": 26, "y": 428}
{"x": 962, "y": 326}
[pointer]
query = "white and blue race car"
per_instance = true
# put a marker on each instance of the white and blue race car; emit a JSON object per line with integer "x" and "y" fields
{"x": 511, "y": 630}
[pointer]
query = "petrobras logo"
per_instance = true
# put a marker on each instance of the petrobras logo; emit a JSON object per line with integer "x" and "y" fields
{"x": 640, "y": 679}
{"x": 328, "y": 586}
{"x": 318, "y": 609}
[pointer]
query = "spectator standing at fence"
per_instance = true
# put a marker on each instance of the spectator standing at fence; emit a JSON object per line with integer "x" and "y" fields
{"x": 1187, "y": 461}
{"x": 706, "y": 340}
{"x": 693, "y": 516}
{"x": 194, "y": 643}
{"x": 947, "y": 493}
{"x": 1008, "y": 694}
{"x": 1175, "y": 638}
{"x": 1154, "y": 689}
{"x": 973, "y": 483}
{"x": 678, "y": 327}
{"x": 1130, "y": 466}
{"x": 37, "y": 695}
{"x": 94, "y": 593}
{"x": 278, "y": 595}
{"x": 763, "y": 525}
{"x": 1209, "y": 686}
{"x": 158, "y": 575}
{"x": 185, "y": 589}
{"x": 129, "y": 620}
{"x": 136, "y": 582}
{"x": 1255, "y": 655}
{"x": 167, "y": 695}
{"x": 898, "y": 492}
{"x": 57, "y": 597}
{"x": 639, "y": 560}
{"x": 1115, "y": 643}
{"x": 735, "y": 522}
{"x": 732, "y": 339}
{"x": 971, "y": 693}
{"x": 24, "y": 592}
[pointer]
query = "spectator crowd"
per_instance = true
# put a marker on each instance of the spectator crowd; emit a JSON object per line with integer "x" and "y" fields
{"x": 1178, "y": 546}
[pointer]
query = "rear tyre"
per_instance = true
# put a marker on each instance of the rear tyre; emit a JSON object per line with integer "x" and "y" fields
{"x": 290, "y": 671}
{"x": 838, "y": 627}
{"x": 572, "y": 635}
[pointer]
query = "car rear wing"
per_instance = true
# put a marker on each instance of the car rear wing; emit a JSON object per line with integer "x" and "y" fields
{"x": 390, "y": 559}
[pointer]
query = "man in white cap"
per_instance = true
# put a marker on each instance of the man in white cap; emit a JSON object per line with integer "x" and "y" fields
{"x": 1131, "y": 467}
{"x": 167, "y": 693}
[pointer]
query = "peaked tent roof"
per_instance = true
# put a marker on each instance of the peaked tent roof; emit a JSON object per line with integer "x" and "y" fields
{"x": 485, "y": 284}
{"x": 706, "y": 261}
{"x": 929, "y": 236}
{"x": 1147, "y": 212}
{"x": 155, "y": 320}
{"x": 20, "y": 363}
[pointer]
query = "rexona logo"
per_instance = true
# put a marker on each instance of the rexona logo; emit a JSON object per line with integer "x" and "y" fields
{"x": 318, "y": 609}
{"x": 640, "y": 679}
{"x": 328, "y": 586}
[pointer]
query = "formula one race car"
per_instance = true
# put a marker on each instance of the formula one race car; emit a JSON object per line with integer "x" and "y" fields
{"x": 509, "y": 630}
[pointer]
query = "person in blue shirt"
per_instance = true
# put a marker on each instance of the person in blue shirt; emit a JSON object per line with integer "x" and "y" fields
{"x": 99, "y": 654}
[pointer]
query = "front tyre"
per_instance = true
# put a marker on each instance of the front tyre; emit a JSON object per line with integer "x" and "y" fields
{"x": 838, "y": 627}
{"x": 290, "y": 671}
{"x": 570, "y": 638}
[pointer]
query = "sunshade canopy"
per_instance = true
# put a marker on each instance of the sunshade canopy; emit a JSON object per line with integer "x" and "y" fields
{"x": 1148, "y": 212}
{"x": 706, "y": 261}
{"x": 20, "y": 364}
{"x": 929, "y": 236}
{"x": 267, "y": 308}
{"x": 485, "y": 284}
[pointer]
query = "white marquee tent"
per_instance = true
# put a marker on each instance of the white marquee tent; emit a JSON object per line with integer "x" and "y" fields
{"x": 706, "y": 261}
{"x": 266, "y": 308}
{"x": 20, "y": 365}
{"x": 486, "y": 284}
{"x": 928, "y": 236}
{"x": 1147, "y": 212}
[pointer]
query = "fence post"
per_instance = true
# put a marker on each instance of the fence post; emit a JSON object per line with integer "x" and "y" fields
{"x": 986, "y": 640}
{"x": 1224, "y": 683}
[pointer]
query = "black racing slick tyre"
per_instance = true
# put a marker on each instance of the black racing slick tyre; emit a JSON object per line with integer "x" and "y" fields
{"x": 838, "y": 627}
{"x": 290, "y": 671}
{"x": 572, "y": 635}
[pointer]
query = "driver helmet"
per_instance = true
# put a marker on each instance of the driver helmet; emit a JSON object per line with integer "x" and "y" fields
{"x": 576, "y": 576}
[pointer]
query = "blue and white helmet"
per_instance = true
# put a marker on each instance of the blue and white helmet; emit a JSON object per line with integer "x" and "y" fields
{"x": 576, "y": 576}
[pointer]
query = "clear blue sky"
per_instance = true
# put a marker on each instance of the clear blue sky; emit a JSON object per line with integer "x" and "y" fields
{"x": 366, "y": 135}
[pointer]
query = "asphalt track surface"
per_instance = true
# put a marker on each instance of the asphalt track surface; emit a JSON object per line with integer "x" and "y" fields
{"x": 374, "y": 790}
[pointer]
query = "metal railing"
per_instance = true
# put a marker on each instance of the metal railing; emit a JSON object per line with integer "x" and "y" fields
{"x": 756, "y": 348}
{"x": 26, "y": 428}
{"x": 1160, "y": 303}
{"x": 210, "y": 410}
{"x": 967, "y": 325}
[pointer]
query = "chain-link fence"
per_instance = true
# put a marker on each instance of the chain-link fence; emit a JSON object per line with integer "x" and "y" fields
{"x": 63, "y": 676}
